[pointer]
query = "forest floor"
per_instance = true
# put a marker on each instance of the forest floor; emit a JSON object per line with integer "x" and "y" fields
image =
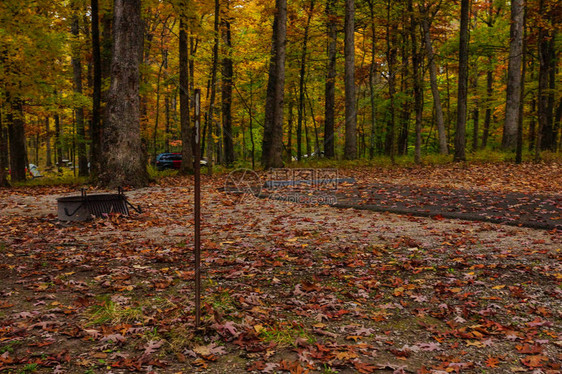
{"x": 288, "y": 287}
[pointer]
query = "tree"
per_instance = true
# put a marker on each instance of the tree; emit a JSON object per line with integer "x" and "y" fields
{"x": 547, "y": 75}
{"x": 460, "y": 135}
{"x": 302, "y": 76}
{"x": 330, "y": 85}
{"x": 390, "y": 141}
{"x": 95, "y": 127}
{"x": 186, "y": 130}
{"x": 213, "y": 90}
{"x": 443, "y": 148}
{"x": 513, "y": 92}
{"x": 272, "y": 144}
{"x": 3, "y": 155}
{"x": 350, "y": 149}
{"x": 16, "y": 135}
{"x": 79, "y": 109}
{"x": 227, "y": 76}
{"x": 122, "y": 154}
{"x": 418, "y": 89}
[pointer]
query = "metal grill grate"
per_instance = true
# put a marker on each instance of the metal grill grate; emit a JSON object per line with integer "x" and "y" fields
{"x": 84, "y": 207}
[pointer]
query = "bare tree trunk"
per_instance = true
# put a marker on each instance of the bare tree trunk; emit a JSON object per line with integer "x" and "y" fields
{"x": 513, "y": 91}
{"x": 272, "y": 145}
{"x": 317, "y": 148}
{"x": 227, "y": 76}
{"x": 547, "y": 63}
{"x": 330, "y": 87}
{"x": 251, "y": 114}
{"x": 16, "y": 134}
{"x": 49, "y": 161}
{"x": 475, "y": 114}
{"x": 488, "y": 115}
{"x": 122, "y": 154}
{"x": 443, "y": 148}
{"x": 406, "y": 109}
{"x": 460, "y": 134}
{"x": 58, "y": 142}
{"x": 95, "y": 129}
{"x": 77, "y": 76}
{"x": 418, "y": 89}
{"x": 167, "y": 124}
{"x": 186, "y": 131}
{"x": 519, "y": 148}
{"x": 3, "y": 155}
{"x": 372, "y": 80}
{"x": 302, "y": 77}
{"x": 299, "y": 130}
{"x": 350, "y": 149}
{"x": 390, "y": 139}
{"x": 533, "y": 126}
{"x": 211, "y": 111}
{"x": 290, "y": 132}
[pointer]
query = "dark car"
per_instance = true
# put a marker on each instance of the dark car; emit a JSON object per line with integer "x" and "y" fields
{"x": 171, "y": 161}
{"x": 168, "y": 161}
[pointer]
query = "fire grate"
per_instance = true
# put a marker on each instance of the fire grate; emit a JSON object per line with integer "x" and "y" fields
{"x": 85, "y": 207}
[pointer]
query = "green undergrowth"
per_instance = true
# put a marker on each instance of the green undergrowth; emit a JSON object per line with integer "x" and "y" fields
{"x": 53, "y": 178}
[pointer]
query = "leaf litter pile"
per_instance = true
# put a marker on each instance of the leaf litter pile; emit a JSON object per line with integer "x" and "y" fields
{"x": 286, "y": 287}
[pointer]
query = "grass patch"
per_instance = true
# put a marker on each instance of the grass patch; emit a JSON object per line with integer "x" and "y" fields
{"x": 107, "y": 312}
{"x": 284, "y": 334}
{"x": 221, "y": 302}
{"x": 66, "y": 178}
{"x": 156, "y": 174}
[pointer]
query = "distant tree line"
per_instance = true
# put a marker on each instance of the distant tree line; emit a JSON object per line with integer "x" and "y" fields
{"x": 108, "y": 84}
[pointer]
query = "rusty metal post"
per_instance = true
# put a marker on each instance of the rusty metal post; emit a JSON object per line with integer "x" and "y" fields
{"x": 197, "y": 205}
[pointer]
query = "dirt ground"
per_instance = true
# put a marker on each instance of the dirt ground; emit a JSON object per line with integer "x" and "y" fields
{"x": 286, "y": 288}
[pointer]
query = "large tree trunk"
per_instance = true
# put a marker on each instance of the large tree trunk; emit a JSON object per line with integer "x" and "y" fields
{"x": 546, "y": 139}
{"x": 186, "y": 131}
{"x": 350, "y": 149}
{"x": 79, "y": 110}
{"x": 122, "y": 154}
{"x": 272, "y": 145}
{"x": 460, "y": 135}
{"x": 513, "y": 92}
{"x": 227, "y": 76}
{"x": 330, "y": 87}
{"x": 95, "y": 129}
{"x": 16, "y": 134}
{"x": 443, "y": 148}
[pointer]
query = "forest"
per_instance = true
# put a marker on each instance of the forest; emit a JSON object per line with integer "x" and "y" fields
{"x": 105, "y": 86}
{"x": 379, "y": 189}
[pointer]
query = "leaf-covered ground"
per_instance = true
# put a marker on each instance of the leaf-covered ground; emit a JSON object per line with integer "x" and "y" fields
{"x": 287, "y": 287}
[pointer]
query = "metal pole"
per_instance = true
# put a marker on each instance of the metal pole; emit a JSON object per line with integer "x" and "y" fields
{"x": 197, "y": 206}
